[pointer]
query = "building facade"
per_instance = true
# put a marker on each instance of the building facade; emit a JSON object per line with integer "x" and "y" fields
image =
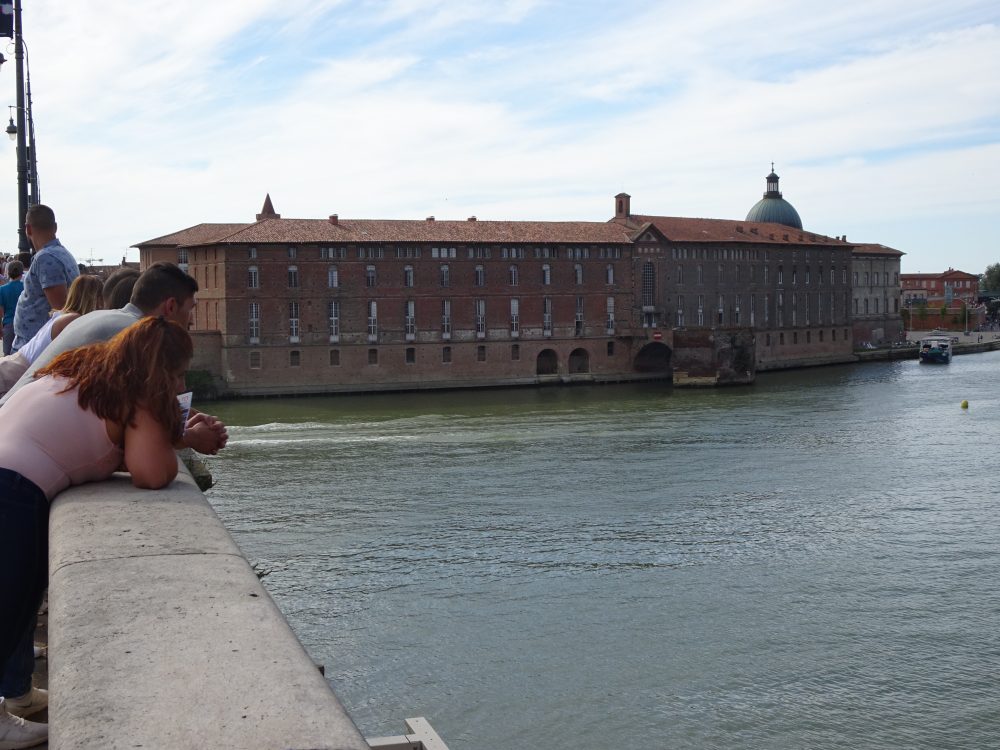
{"x": 322, "y": 305}
{"x": 876, "y": 312}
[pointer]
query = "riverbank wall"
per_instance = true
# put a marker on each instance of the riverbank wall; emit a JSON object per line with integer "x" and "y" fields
{"x": 161, "y": 634}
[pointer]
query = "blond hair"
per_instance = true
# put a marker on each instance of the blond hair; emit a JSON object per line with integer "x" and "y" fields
{"x": 84, "y": 295}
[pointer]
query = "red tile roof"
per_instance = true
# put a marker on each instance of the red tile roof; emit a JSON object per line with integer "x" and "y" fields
{"x": 199, "y": 234}
{"x": 682, "y": 229}
{"x": 294, "y": 231}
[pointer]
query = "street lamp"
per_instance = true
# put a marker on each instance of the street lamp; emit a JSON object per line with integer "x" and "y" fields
{"x": 12, "y": 128}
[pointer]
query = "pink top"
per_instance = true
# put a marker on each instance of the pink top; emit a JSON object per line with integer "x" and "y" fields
{"x": 46, "y": 437}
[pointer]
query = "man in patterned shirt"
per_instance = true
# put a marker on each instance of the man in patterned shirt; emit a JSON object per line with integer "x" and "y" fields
{"x": 48, "y": 278}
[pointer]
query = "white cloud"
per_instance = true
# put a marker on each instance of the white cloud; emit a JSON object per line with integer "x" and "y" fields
{"x": 881, "y": 117}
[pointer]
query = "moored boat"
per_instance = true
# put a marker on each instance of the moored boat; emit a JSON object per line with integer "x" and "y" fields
{"x": 936, "y": 350}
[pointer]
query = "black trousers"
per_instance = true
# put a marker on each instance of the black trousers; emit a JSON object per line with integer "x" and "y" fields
{"x": 24, "y": 557}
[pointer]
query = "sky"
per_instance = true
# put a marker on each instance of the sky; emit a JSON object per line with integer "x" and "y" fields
{"x": 882, "y": 118}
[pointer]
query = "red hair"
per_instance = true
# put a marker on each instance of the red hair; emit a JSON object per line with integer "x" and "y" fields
{"x": 137, "y": 368}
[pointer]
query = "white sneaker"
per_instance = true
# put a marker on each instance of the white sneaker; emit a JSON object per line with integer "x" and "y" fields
{"x": 30, "y": 703}
{"x": 16, "y": 733}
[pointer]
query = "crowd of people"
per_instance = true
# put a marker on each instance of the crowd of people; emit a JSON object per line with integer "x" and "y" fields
{"x": 89, "y": 383}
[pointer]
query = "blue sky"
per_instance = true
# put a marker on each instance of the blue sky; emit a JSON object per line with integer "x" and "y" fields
{"x": 882, "y": 118}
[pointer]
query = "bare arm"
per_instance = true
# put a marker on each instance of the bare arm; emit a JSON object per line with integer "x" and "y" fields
{"x": 149, "y": 455}
{"x": 56, "y": 295}
{"x": 62, "y": 321}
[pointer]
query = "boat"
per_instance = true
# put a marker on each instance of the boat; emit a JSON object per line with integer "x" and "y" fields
{"x": 936, "y": 350}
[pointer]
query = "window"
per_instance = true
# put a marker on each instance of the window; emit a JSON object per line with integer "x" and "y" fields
{"x": 253, "y": 278}
{"x": 781, "y": 276}
{"x": 480, "y": 353}
{"x": 254, "y": 320}
{"x": 292, "y": 252}
{"x": 370, "y": 276}
{"x": 446, "y": 318}
{"x": 515, "y": 352}
{"x": 335, "y": 358}
{"x": 333, "y": 318}
{"x": 254, "y": 360}
{"x": 372, "y": 320}
{"x": 182, "y": 258}
{"x": 480, "y": 318}
{"x": 609, "y": 322}
{"x": 866, "y": 278}
{"x": 446, "y": 354}
{"x": 766, "y": 275}
{"x": 700, "y": 270}
{"x": 680, "y": 310}
{"x": 547, "y": 316}
{"x": 294, "y": 358}
{"x": 680, "y": 274}
{"x": 721, "y": 310}
{"x": 332, "y": 277}
{"x": 701, "y": 309}
{"x": 855, "y": 278}
{"x": 546, "y": 275}
{"x": 293, "y": 277}
{"x": 611, "y": 348}
{"x": 252, "y": 253}
{"x": 373, "y": 356}
{"x": 293, "y": 321}
{"x": 648, "y": 283}
{"x": 445, "y": 276}
{"x": 515, "y": 317}
{"x": 411, "y": 355}
{"x": 512, "y": 275}
{"x": 480, "y": 277}
{"x": 578, "y": 274}
{"x": 410, "y": 319}
{"x": 609, "y": 274}
{"x": 722, "y": 273}
{"x": 579, "y": 316}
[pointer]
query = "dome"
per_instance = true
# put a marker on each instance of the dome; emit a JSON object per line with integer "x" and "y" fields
{"x": 774, "y": 209}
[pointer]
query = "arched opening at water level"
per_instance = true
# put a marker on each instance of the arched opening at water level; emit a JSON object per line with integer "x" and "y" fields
{"x": 579, "y": 361}
{"x": 653, "y": 357}
{"x": 547, "y": 362}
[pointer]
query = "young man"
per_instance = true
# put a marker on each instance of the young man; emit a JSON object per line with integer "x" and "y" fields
{"x": 9, "y": 294}
{"x": 47, "y": 281}
{"x": 162, "y": 289}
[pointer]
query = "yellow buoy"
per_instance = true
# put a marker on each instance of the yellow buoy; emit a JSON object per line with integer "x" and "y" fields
{"x": 965, "y": 404}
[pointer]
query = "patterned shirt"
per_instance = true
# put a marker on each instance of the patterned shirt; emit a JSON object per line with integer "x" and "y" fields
{"x": 50, "y": 266}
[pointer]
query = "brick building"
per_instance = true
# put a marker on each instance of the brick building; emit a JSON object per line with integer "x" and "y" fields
{"x": 319, "y": 305}
{"x": 930, "y": 288}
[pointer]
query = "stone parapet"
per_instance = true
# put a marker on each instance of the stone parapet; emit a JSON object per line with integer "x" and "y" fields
{"x": 161, "y": 635}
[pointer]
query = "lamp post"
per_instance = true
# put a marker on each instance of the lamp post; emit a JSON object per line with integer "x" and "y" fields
{"x": 22, "y": 155}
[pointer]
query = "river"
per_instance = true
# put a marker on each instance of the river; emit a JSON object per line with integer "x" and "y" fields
{"x": 811, "y": 561}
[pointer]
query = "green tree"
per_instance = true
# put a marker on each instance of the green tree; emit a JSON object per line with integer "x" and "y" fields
{"x": 990, "y": 280}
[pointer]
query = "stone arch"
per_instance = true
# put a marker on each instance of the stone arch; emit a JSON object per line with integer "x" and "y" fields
{"x": 653, "y": 357}
{"x": 547, "y": 362}
{"x": 579, "y": 361}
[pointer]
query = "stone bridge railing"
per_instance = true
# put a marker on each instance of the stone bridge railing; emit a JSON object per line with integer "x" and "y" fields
{"x": 161, "y": 635}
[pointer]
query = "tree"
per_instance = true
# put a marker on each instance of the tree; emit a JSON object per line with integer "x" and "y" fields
{"x": 990, "y": 280}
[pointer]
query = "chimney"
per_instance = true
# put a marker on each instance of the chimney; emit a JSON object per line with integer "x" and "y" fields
{"x": 623, "y": 208}
{"x": 334, "y": 219}
{"x": 430, "y": 218}
{"x": 472, "y": 218}
{"x": 739, "y": 228}
{"x": 753, "y": 230}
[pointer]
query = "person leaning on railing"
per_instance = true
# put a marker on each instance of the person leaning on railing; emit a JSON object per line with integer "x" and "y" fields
{"x": 90, "y": 412}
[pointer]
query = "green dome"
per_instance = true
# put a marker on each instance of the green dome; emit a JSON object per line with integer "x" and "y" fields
{"x": 774, "y": 209}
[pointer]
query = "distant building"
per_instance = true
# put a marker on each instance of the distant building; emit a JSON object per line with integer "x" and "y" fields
{"x": 876, "y": 304}
{"x": 941, "y": 287}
